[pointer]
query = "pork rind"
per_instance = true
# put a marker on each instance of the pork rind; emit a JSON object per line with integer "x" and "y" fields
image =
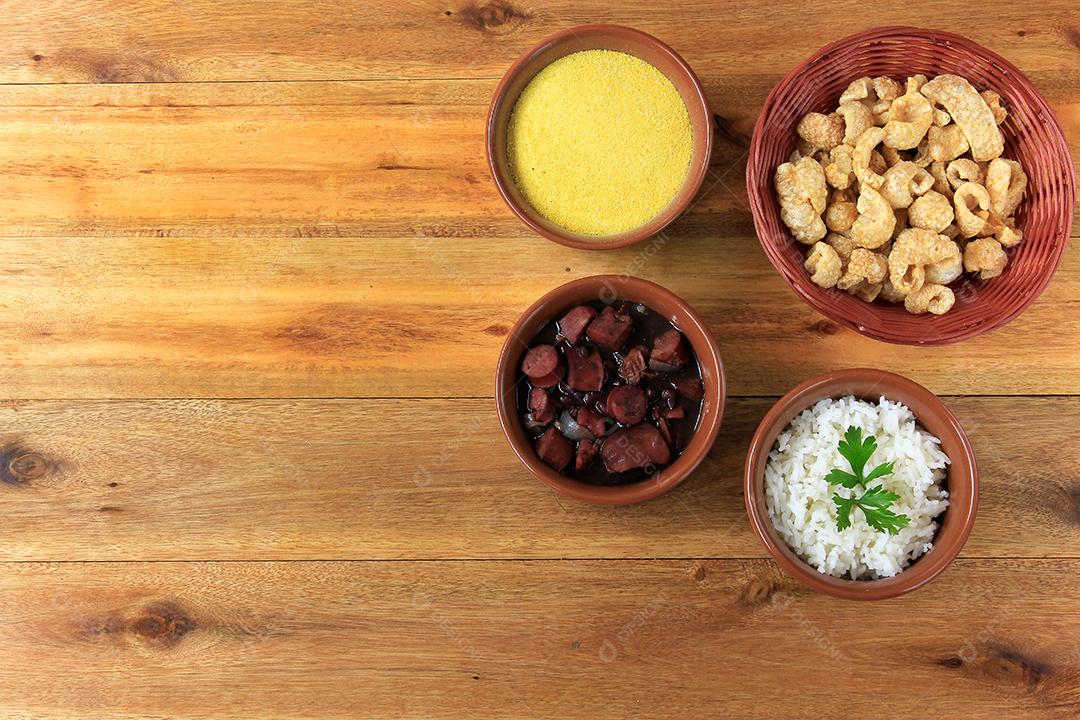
{"x": 824, "y": 265}
{"x": 941, "y": 179}
{"x": 862, "y": 158}
{"x": 838, "y": 170}
{"x": 948, "y": 268}
{"x": 865, "y": 267}
{"x": 913, "y": 252}
{"x": 802, "y": 192}
{"x": 1009, "y": 235}
{"x": 873, "y": 228}
{"x": 931, "y": 211}
{"x": 1005, "y": 182}
{"x": 964, "y": 170}
{"x": 910, "y": 116}
{"x": 842, "y": 244}
{"x": 917, "y": 192}
{"x": 932, "y": 298}
{"x": 986, "y": 257}
{"x": 970, "y": 112}
{"x": 904, "y": 182}
{"x": 993, "y": 101}
{"x": 841, "y": 212}
{"x": 858, "y": 118}
{"x": 971, "y": 204}
{"x": 889, "y": 293}
{"x": 822, "y": 131}
{"x": 866, "y": 292}
{"x": 946, "y": 143}
{"x": 858, "y": 90}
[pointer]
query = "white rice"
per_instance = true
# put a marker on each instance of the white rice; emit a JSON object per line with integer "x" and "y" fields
{"x": 800, "y": 500}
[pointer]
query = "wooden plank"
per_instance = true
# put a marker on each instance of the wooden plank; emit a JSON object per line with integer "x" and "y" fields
{"x": 381, "y": 159}
{"x": 373, "y": 317}
{"x": 654, "y": 639}
{"x": 110, "y": 41}
{"x": 394, "y": 479}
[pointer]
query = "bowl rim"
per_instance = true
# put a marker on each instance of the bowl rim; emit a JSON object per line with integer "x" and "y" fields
{"x": 893, "y": 387}
{"x": 808, "y": 294}
{"x": 550, "y": 306}
{"x": 695, "y": 174}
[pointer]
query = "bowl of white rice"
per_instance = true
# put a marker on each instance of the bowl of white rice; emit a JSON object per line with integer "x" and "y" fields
{"x": 926, "y": 489}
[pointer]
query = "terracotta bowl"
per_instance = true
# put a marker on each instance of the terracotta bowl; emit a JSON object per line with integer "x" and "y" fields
{"x": 962, "y": 480}
{"x": 609, "y": 288}
{"x": 1032, "y": 135}
{"x": 599, "y": 37}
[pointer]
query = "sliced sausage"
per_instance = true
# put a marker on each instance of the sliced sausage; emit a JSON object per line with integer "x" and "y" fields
{"x": 586, "y": 451}
{"x": 541, "y": 405}
{"x": 689, "y": 388}
{"x": 627, "y": 404}
{"x": 540, "y": 361}
{"x": 586, "y": 369}
{"x": 549, "y": 380}
{"x": 554, "y": 449}
{"x": 611, "y": 329}
{"x": 591, "y": 421}
{"x": 635, "y": 447}
{"x": 573, "y": 324}
{"x": 634, "y": 364}
{"x": 670, "y": 348}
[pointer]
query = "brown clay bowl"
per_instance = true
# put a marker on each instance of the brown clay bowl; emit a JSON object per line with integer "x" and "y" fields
{"x": 599, "y": 37}
{"x": 962, "y": 480}
{"x": 1032, "y": 135}
{"x": 609, "y": 288}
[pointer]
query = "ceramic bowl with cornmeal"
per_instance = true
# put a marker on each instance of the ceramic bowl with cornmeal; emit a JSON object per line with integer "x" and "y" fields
{"x": 599, "y": 137}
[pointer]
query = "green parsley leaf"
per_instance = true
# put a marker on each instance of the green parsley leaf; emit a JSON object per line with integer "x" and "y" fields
{"x": 843, "y": 512}
{"x": 856, "y": 450}
{"x": 837, "y": 476}
{"x": 880, "y": 471}
{"x": 875, "y": 501}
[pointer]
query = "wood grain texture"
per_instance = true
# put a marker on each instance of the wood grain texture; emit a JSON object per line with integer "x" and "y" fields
{"x": 648, "y": 639}
{"x": 400, "y": 479}
{"x": 356, "y": 159}
{"x": 117, "y": 41}
{"x": 254, "y": 277}
{"x": 372, "y": 317}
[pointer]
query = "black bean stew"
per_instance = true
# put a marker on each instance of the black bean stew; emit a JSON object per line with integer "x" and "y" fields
{"x": 611, "y": 393}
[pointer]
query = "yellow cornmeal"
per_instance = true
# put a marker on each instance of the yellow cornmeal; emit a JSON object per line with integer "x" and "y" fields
{"x": 599, "y": 142}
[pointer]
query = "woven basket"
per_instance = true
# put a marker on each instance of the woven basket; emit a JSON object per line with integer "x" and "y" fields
{"x": 1032, "y": 135}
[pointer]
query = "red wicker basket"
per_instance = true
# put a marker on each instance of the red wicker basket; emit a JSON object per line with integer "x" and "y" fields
{"x": 1032, "y": 135}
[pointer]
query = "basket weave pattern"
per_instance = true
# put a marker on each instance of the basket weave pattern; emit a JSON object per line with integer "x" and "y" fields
{"x": 1032, "y": 135}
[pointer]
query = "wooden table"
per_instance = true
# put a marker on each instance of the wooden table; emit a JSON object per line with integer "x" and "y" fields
{"x": 255, "y": 276}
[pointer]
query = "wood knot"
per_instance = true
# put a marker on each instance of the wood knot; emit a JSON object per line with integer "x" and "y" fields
{"x": 28, "y": 466}
{"x": 757, "y": 592}
{"x": 999, "y": 665}
{"x": 1013, "y": 667}
{"x": 496, "y": 330}
{"x": 824, "y": 327}
{"x": 162, "y": 625}
{"x": 20, "y": 466}
{"x": 158, "y": 626}
{"x": 498, "y": 17}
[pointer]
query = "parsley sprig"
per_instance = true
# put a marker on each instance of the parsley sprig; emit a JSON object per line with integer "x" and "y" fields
{"x": 875, "y": 501}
